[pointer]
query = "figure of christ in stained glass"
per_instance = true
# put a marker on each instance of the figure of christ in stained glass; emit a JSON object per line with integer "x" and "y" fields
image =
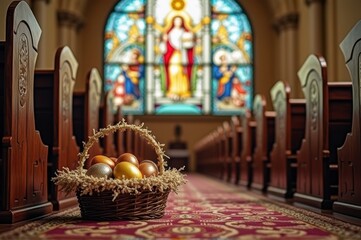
{"x": 177, "y": 47}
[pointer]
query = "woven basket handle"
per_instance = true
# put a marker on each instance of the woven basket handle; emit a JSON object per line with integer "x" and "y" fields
{"x": 123, "y": 126}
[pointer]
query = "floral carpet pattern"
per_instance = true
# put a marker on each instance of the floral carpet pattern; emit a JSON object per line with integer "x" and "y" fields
{"x": 203, "y": 209}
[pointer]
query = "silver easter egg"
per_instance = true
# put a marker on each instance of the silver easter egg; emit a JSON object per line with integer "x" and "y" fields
{"x": 100, "y": 170}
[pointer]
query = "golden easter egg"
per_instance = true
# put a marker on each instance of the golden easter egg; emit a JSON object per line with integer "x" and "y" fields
{"x": 100, "y": 170}
{"x": 126, "y": 169}
{"x": 102, "y": 159}
{"x": 128, "y": 157}
{"x": 148, "y": 168}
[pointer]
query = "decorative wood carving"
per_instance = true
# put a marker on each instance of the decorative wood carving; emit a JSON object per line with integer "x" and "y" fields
{"x": 349, "y": 194}
{"x": 53, "y": 108}
{"x": 24, "y": 161}
{"x": 317, "y": 181}
{"x": 289, "y": 131}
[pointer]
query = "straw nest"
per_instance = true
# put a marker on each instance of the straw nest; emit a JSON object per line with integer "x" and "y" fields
{"x": 167, "y": 180}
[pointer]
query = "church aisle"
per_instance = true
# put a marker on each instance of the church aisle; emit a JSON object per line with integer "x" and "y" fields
{"x": 203, "y": 209}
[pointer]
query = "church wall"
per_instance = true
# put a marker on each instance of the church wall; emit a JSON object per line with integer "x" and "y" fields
{"x": 341, "y": 16}
{"x": 90, "y": 41}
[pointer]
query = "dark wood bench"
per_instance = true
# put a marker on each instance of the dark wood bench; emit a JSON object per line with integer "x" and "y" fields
{"x": 265, "y": 135}
{"x": 138, "y": 143}
{"x": 23, "y": 164}
{"x": 205, "y": 155}
{"x": 236, "y": 149}
{"x": 53, "y": 102}
{"x": 349, "y": 154}
{"x": 227, "y": 157}
{"x": 86, "y": 112}
{"x": 248, "y": 143}
{"x": 328, "y": 119}
{"x": 129, "y": 136}
{"x": 106, "y": 117}
{"x": 119, "y": 135}
{"x": 289, "y": 131}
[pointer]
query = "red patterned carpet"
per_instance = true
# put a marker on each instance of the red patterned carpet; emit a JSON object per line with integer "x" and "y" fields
{"x": 204, "y": 208}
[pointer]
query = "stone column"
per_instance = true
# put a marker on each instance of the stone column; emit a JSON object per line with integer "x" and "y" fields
{"x": 281, "y": 47}
{"x": 206, "y": 58}
{"x": 149, "y": 77}
{"x": 290, "y": 23}
{"x": 286, "y": 26}
{"x": 39, "y": 8}
{"x": 69, "y": 24}
{"x": 316, "y": 26}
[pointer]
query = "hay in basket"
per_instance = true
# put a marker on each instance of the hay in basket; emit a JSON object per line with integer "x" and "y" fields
{"x": 117, "y": 199}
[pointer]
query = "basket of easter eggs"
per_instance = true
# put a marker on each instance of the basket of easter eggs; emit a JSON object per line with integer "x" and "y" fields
{"x": 121, "y": 188}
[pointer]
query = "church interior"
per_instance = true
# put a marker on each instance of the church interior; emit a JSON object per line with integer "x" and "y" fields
{"x": 180, "y": 119}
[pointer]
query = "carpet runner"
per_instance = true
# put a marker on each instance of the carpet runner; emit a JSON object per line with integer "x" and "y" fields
{"x": 203, "y": 209}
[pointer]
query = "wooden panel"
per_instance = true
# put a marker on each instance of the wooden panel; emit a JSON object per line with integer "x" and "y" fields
{"x": 221, "y": 152}
{"x": 236, "y": 149}
{"x": 289, "y": 131}
{"x": 119, "y": 135}
{"x": 129, "y": 136}
{"x": 328, "y": 118}
{"x": 349, "y": 161}
{"x": 24, "y": 161}
{"x": 86, "y": 112}
{"x": 264, "y": 141}
{"x": 107, "y": 118}
{"x": 227, "y": 151}
{"x": 248, "y": 127}
{"x": 53, "y": 110}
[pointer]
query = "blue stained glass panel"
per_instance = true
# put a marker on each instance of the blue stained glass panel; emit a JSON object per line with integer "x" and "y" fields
{"x": 177, "y": 79}
{"x": 225, "y": 6}
{"x": 130, "y": 6}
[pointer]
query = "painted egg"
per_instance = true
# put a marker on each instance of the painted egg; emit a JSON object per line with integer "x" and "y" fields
{"x": 128, "y": 170}
{"x": 148, "y": 168}
{"x": 114, "y": 160}
{"x": 102, "y": 159}
{"x": 128, "y": 157}
{"x": 100, "y": 170}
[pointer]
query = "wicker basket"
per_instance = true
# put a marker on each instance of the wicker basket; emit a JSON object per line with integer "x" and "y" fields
{"x": 121, "y": 199}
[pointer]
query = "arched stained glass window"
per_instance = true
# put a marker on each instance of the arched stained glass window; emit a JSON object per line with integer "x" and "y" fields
{"x": 179, "y": 57}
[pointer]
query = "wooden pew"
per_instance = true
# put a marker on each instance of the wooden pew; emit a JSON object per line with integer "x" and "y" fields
{"x": 222, "y": 150}
{"x": 265, "y": 135}
{"x": 23, "y": 165}
{"x": 53, "y": 99}
{"x": 289, "y": 131}
{"x": 236, "y": 149}
{"x": 349, "y": 154}
{"x": 106, "y": 118}
{"x": 86, "y": 112}
{"x": 119, "y": 136}
{"x": 203, "y": 163}
{"x": 227, "y": 157}
{"x": 217, "y": 168}
{"x": 328, "y": 119}
{"x": 138, "y": 143}
{"x": 129, "y": 136}
{"x": 248, "y": 143}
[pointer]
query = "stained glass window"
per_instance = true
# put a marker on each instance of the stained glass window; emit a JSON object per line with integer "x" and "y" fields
{"x": 179, "y": 57}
